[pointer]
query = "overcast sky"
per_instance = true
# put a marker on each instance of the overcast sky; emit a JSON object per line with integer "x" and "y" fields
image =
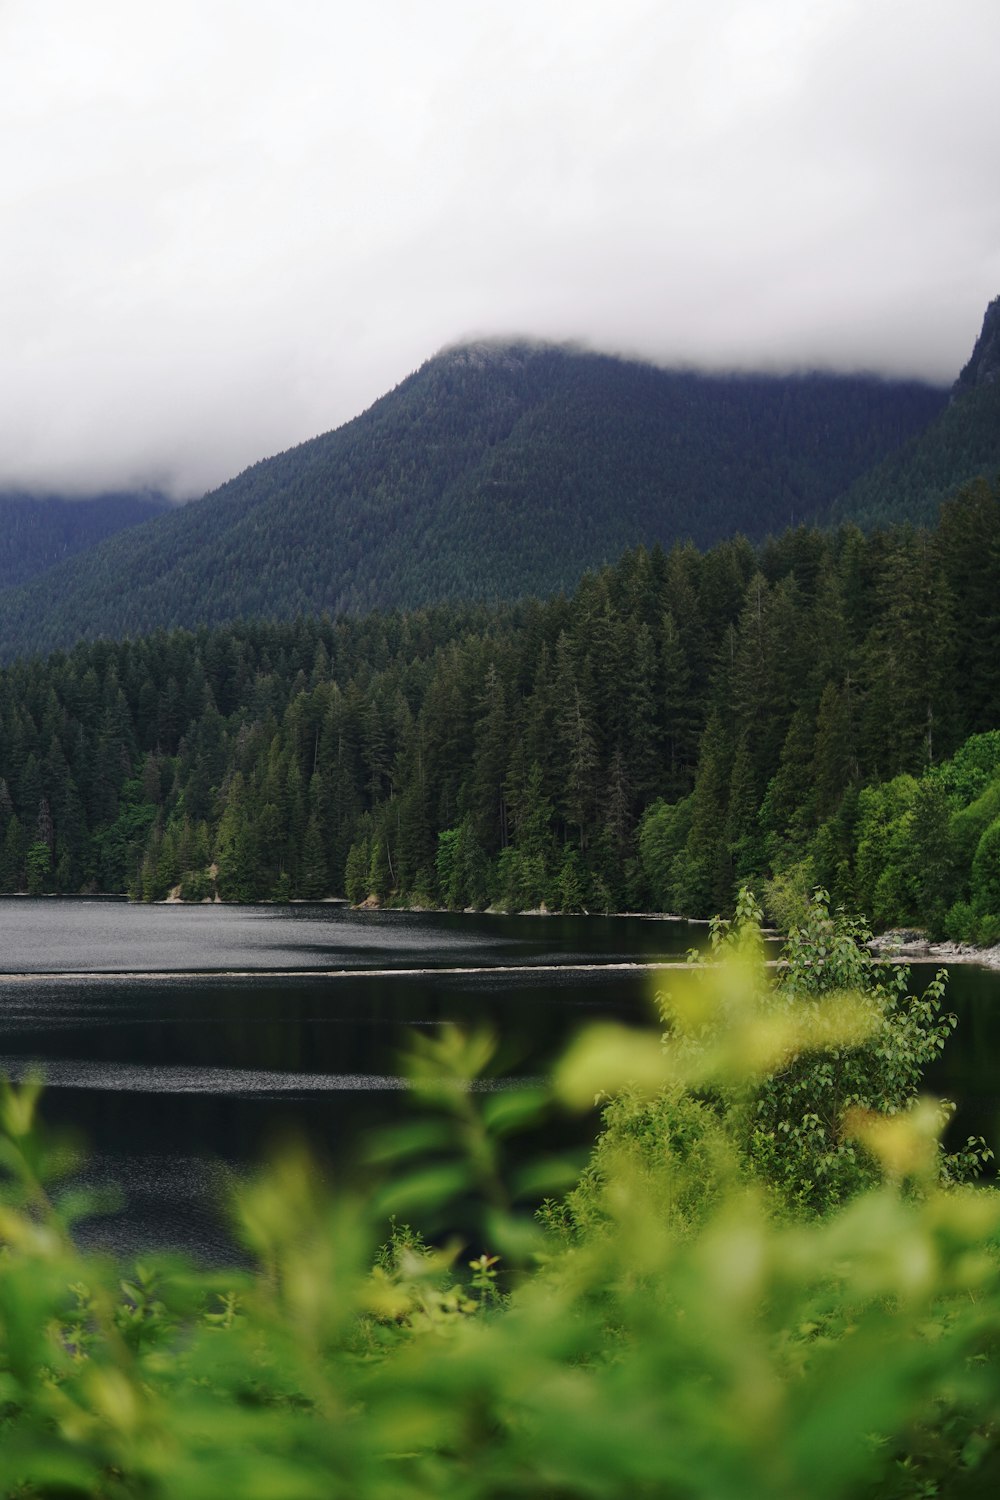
{"x": 227, "y": 225}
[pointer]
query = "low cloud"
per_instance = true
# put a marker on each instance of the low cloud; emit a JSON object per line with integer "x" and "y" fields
{"x": 230, "y": 226}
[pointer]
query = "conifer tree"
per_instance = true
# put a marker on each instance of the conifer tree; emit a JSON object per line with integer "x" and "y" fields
{"x": 12, "y": 853}
{"x": 356, "y": 873}
{"x": 314, "y": 879}
{"x": 680, "y": 714}
{"x": 702, "y": 874}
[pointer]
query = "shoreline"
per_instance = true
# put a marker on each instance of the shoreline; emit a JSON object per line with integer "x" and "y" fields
{"x": 911, "y": 946}
{"x": 904, "y": 945}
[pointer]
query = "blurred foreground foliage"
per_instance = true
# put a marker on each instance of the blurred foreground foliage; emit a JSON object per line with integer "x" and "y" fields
{"x": 769, "y": 1283}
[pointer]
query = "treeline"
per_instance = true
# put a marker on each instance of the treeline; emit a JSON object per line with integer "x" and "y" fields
{"x": 37, "y": 532}
{"x": 683, "y": 723}
{"x": 493, "y": 473}
{"x": 963, "y": 441}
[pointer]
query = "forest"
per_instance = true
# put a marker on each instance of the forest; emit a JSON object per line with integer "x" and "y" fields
{"x": 492, "y": 473}
{"x": 819, "y": 709}
{"x": 770, "y": 1278}
{"x": 37, "y": 532}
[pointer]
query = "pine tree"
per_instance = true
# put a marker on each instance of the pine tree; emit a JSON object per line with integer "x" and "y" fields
{"x": 314, "y": 879}
{"x": 379, "y": 873}
{"x": 835, "y": 754}
{"x": 703, "y": 871}
{"x": 492, "y": 747}
{"x": 910, "y": 656}
{"x": 356, "y": 873}
{"x": 787, "y": 812}
{"x": 576, "y": 743}
{"x": 679, "y": 712}
{"x": 12, "y": 855}
{"x": 237, "y": 853}
{"x": 968, "y": 544}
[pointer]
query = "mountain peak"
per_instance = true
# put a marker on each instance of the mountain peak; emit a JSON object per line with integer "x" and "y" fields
{"x": 983, "y": 367}
{"x": 481, "y": 354}
{"x": 496, "y": 470}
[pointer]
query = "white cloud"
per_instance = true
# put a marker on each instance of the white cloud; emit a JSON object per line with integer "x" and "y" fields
{"x": 226, "y": 226}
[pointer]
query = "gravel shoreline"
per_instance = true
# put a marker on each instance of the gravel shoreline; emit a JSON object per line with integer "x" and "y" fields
{"x": 907, "y": 943}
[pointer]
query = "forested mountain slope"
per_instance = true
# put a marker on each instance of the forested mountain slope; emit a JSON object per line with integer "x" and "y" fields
{"x": 961, "y": 444}
{"x": 682, "y": 724}
{"x": 492, "y": 473}
{"x": 39, "y": 531}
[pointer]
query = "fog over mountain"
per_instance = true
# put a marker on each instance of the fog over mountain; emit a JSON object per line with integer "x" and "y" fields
{"x": 227, "y": 228}
{"x": 496, "y": 471}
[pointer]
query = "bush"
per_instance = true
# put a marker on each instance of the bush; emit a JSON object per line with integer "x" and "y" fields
{"x": 986, "y": 870}
{"x": 971, "y": 769}
{"x": 786, "y": 896}
{"x": 669, "y": 1147}
{"x": 789, "y": 1124}
{"x": 961, "y": 922}
{"x": 683, "y": 1341}
{"x": 197, "y": 885}
{"x": 970, "y": 823}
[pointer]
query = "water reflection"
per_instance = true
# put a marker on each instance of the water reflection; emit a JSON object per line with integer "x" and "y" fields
{"x": 73, "y": 935}
{"x": 968, "y": 1070}
{"x": 174, "y": 1081}
{"x": 180, "y": 1083}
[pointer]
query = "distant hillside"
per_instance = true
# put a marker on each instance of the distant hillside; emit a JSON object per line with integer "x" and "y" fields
{"x": 961, "y": 444}
{"x": 492, "y": 473}
{"x": 37, "y": 532}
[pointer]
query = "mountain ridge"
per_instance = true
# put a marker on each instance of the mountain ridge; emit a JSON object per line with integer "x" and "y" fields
{"x": 983, "y": 367}
{"x": 960, "y": 444}
{"x": 494, "y": 471}
{"x": 39, "y": 531}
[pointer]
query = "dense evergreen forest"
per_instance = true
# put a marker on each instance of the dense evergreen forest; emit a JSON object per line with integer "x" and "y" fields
{"x": 821, "y": 709}
{"x": 493, "y": 473}
{"x": 39, "y": 531}
{"x": 770, "y": 1257}
{"x": 961, "y": 443}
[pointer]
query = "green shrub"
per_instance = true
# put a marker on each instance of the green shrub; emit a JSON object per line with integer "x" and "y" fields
{"x": 788, "y": 1124}
{"x": 971, "y": 769}
{"x": 682, "y": 1341}
{"x": 986, "y": 870}
{"x": 961, "y": 922}
{"x": 462, "y": 867}
{"x": 786, "y": 895}
{"x": 970, "y": 823}
{"x": 197, "y": 885}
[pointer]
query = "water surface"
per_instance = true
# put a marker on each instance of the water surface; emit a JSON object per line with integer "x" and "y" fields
{"x": 254, "y": 1022}
{"x": 194, "y": 1069}
{"x": 76, "y": 935}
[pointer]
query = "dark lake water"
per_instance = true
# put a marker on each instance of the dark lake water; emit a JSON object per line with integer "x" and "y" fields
{"x": 178, "y": 1041}
{"x": 181, "y": 1042}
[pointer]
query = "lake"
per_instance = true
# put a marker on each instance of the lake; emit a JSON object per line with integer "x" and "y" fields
{"x": 180, "y": 1042}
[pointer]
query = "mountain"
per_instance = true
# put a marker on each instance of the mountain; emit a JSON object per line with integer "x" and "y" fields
{"x": 961, "y": 444}
{"x": 983, "y": 368}
{"x": 39, "y": 531}
{"x": 493, "y": 472}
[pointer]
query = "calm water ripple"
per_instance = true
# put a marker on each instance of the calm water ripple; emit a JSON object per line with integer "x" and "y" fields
{"x": 181, "y": 1080}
